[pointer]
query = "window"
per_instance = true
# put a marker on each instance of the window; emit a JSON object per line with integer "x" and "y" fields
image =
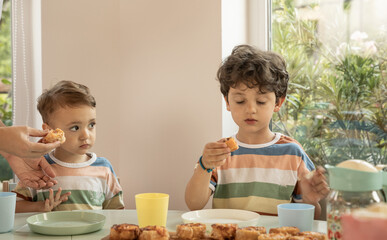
{"x": 336, "y": 57}
{"x": 6, "y": 78}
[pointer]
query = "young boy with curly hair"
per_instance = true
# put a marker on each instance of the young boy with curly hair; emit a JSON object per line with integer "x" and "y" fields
{"x": 269, "y": 168}
{"x": 85, "y": 181}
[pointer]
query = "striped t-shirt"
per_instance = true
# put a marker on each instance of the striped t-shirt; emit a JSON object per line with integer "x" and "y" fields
{"x": 259, "y": 177}
{"x": 93, "y": 185}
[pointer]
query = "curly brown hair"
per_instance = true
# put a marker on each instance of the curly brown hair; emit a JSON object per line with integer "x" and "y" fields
{"x": 247, "y": 65}
{"x": 64, "y": 94}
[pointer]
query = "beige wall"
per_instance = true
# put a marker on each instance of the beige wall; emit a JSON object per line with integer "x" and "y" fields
{"x": 151, "y": 66}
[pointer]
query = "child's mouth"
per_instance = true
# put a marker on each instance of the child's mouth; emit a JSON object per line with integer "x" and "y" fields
{"x": 250, "y": 121}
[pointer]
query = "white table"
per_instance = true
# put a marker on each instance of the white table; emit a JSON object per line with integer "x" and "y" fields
{"x": 123, "y": 216}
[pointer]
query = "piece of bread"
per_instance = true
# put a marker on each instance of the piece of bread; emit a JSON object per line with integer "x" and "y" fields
{"x": 154, "y": 233}
{"x": 250, "y": 232}
{"x": 299, "y": 238}
{"x": 223, "y": 231}
{"x": 191, "y": 231}
{"x": 272, "y": 236}
{"x": 314, "y": 235}
{"x": 285, "y": 230}
{"x": 54, "y": 135}
{"x": 124, "y": 231}
{"x": 232, "y": 144}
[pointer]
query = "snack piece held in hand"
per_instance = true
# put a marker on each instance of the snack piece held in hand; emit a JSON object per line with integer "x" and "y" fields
{"x": 250, "y": 232}
{"x": 124, "y": 231}
{"x": 154, "y": 233}
{"x": 191, "y": 231}
{"x": 223, "y": 231}
{"x": 54, "y": 135}
{"x": 232, "y": 144}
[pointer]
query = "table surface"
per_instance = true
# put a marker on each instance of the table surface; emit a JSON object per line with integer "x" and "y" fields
{"x": 21, "y": 231}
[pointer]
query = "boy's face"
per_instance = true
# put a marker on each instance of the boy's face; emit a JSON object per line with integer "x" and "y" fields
{"x": 79, "y": 126}
{"x": 252, "y": 110}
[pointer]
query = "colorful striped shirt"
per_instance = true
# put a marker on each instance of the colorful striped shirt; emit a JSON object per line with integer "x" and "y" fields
{"x": 93, "y": 185}
{"x": 259, "y": 177}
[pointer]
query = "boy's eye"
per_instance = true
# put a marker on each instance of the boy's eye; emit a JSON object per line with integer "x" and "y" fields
{"x": 260, "y": 103}
{"x": 239, "y": 102}
{"x": 74, "y": 128}
{"x": 92, "y": 125}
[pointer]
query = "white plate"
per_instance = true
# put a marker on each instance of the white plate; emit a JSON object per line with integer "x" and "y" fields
{"x": 210, "y": 216}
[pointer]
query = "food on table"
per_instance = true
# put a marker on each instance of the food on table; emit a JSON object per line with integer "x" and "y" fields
{"x": 197, "y": 231}
{"x": 272, "y": 236}
{"x": 285, "y": 230}
{"x": 124, "y": 231}
{"x": 154, "y": 233}
{"x": 232, "y": 144}
{"x": 223, "y": 231}
{"x": 313, "y": 235}
{"x": 54, "y": 135}
{"x": 250, "y": 232}
{"x": 191, "y": 231}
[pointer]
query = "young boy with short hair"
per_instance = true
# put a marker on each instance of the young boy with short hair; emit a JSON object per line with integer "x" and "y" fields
{"x": 85, "y": 181}
{"x": 268, "y": 168}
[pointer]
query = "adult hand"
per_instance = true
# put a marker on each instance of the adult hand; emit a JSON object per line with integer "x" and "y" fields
{"x": 15, "y": 140}
{"x": 35, "y": 173}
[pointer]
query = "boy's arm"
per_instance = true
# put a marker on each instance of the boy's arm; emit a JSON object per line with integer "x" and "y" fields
{"x": 197, "y": 191}
{"x": 314, "y": 188}
{"x": 27, "y": 206}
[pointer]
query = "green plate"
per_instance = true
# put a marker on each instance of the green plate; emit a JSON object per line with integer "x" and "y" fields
{"x": 66, "y": 222}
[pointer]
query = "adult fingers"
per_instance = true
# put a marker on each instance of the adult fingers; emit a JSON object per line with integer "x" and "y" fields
{"x": 46, "y": 167}
{"x": 39, "y": 149}
{"x": 33, "y": 132}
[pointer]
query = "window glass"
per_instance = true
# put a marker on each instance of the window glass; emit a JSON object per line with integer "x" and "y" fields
{"x": 336, "y": 57}
{"x": 5, "y": 79}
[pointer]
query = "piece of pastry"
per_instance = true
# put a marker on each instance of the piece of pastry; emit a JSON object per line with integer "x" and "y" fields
{"x": 154, "y": 233}
{"x": 299, "y": 238}
{"x": 314, "y": 235}
{"x": 191, "y": 231}
{"x": 223, "y": 231}
{"x": 250, "y": 232}
{"x": 124, "y": 231}
{"x": 272, "y": 236}
{"x": 285, "y": 230}
{"x": 232, "y": 144}
{"x": 54, "y": 135}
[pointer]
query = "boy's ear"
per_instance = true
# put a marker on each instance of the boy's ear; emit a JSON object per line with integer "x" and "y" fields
{"x": 279, "y": 104}
{"x": 45, "y": 126}
{"x": 227, "y": 104}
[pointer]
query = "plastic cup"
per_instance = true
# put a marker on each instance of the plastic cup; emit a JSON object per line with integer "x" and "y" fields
{"x": 7, "y": 211}
{"x": 152, "y": 209}
{"x": 298, "y": 215}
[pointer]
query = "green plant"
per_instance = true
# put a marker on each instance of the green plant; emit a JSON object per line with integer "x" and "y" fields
{"x": 336, "y": 103}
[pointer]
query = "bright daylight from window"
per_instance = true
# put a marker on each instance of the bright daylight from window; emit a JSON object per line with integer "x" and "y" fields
{"x": 336, "y": 55}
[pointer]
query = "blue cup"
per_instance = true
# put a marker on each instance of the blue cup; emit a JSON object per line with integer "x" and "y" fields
{"x": 7, "y": 211}
{"x": 298, "y": 215}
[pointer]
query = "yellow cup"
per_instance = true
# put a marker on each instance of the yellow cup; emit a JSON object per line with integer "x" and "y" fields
{"x": 152, "y": 209}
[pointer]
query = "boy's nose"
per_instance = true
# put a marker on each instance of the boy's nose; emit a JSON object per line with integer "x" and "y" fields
{"x": 251, "y": 108}
{"x": 84, "y": 134}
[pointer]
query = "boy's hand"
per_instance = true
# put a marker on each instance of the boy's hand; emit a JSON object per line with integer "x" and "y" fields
{"x": 215, "y": 154}
{"x": 53, "y": 202}
{"x": 314, "y": 188}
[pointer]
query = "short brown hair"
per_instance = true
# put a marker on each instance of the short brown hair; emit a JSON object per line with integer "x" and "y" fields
{"x": 64, "y": 94}
{"x": 265, "y": 70}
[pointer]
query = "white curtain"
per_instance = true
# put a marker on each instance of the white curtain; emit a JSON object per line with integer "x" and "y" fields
{"x": 26, "y": 65}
